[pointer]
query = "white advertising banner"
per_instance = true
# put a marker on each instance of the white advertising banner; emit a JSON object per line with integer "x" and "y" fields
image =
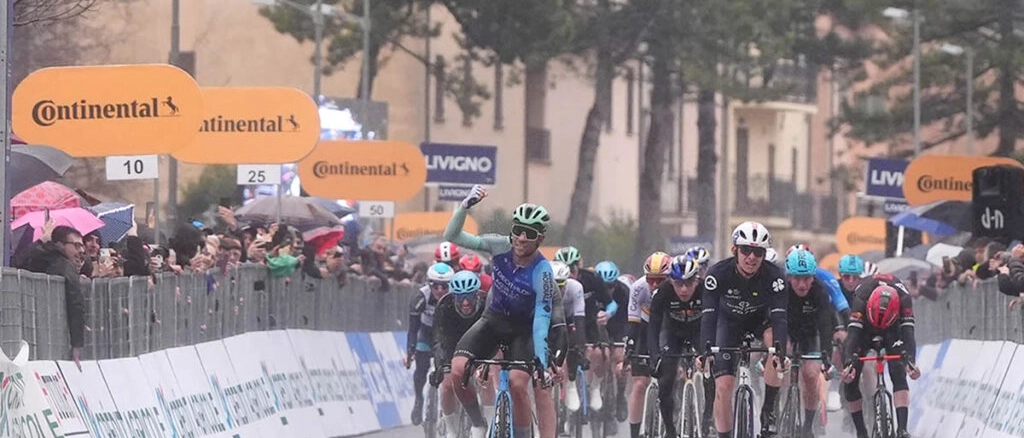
{"x": 289, "y": 382}
{"x": 398, "y": 377}
{"x": 244, "y": 403}
{"x": 323, "y": 368}
{"x": 356, "y": 384}
{"x": 58, "y": 397}
{"x": 95, "y": 405}
{"x": 134, "y": 397}
{"x": 24, "y": 411}
{"x": 195, "y": 406}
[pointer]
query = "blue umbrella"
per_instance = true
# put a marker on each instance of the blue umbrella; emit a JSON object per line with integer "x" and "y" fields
{"x": 117, "y": 217}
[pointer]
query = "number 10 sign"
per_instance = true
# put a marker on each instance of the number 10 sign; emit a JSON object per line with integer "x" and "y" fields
{"x": 129, "y": 167}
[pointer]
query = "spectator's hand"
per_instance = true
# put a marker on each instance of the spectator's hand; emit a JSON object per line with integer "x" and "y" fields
{"x": 76, "y": 356}
{"x": 104, "y": 269}
{"x": 48, "y": 230}
{"x": 228, "y": 216}
{"x": 1005, "y": 270}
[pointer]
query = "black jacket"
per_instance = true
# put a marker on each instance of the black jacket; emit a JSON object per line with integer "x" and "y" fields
{"x": 1012, "y": 284}
{"x": 46, "y": 258}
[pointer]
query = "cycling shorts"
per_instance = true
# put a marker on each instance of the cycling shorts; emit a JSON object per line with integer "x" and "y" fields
{"x": 730, "y": 333}
{"x": 424, "y": 338}
{"x": 639, "y": 365}
{"x": 805, "y": 341}
{"x": 484, "y": 337}
{"x": 617, "y": 331}
{"x": 593, "y": 332}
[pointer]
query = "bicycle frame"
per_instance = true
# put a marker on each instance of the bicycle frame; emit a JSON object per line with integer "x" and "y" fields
{"x": 792, "y": 412}
{"x": 688, "y": 422}
{"x": 885, "y": 426}
{"x": 744, "y": 396}
{"x": 503, "y": 421}
{"x": 650, "y": 423}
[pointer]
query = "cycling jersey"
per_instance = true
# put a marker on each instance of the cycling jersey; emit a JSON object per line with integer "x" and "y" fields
{"x": 597, "y": 298}
{"x": 450, "y": 326}
{"x": 617, "y": 321}
{"x": 812, "y": 321}
{"x": 835, "y": 291}
{"x": 639, "y": 315}
{"x": 674, "y": 321}
{"x": 640, "y": 301}
{"x": 860, "y": 330}
{"x": 518, "y": 296}
{"x": 421, "y": 320}
{"x": 572, "y": 300}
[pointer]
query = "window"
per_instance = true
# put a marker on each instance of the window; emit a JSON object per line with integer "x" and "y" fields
{"x": 499, "y": 88}
{"x": 439, "y": 87}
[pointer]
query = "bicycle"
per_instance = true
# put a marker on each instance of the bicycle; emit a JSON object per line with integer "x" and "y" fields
{"x": 885, "y": 417}
{"x": 579, "y": 417}
{"x": 501, "y": 425}
{"x": 685, "y": 394}
{"x": 650, "y": 424}
{"x": 432, "y": 427}
{"x": 597, "y": 418}
{"x": 791, "y": 420}
{"x": 743, "y": 399}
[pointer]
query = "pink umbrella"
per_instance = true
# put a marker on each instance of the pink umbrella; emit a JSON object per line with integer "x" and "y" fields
{"x": 44, "y": 195}
{"x": 77, "y": 218}
{"x": 323, "y": 238}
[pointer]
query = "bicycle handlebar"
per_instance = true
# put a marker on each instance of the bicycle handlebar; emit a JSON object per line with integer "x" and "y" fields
{"x": 886, "y": 357}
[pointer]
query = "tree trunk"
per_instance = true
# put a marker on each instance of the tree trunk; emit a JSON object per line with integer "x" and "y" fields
{"x": 707, "y": 159}
{"x": 374, "y": 61}
{"x": 1007, "y": 96}
{"x": 649, "y": 236}
{"x": 579, "y": 205}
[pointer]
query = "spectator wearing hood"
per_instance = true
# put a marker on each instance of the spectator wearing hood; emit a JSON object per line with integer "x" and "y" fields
{"x": 60, "y": 252}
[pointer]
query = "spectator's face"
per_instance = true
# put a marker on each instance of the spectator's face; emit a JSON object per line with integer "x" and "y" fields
{"x": 379, "y": 246}
{"x": 234, "y": 255}
{"x": 92, "y": 246}
{"x": 73, "y": 248}
{"x": 979, "y": 254}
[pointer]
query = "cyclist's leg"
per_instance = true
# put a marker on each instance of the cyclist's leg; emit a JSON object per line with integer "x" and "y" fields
{"x": 772, "y": 382}
{"x": 640, "y": 379}
{"x": 546, "y": 415}
{"x": 898, "y": 376}
{"x": 810, "y": 379}
{"x": 479, "y": 341}
{"x": 729, "y": 333}
{"x": 521, "y": 348}
{"x": 621, "y": 375}
{"x": 419, "y": 377}
{"x": 667, "y": 372}
{"x": 854, "y": 400}
{"x": 572, "y": 394}
{"x": 597, "y": 367}
{"x": 448, "y": 406}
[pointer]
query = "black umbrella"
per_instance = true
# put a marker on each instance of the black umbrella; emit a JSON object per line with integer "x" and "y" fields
{"x": 339, "y": 210}
{"x": 302, "y": 213}
{"x": 33, "y": 164}
{"x": 956, "y": 214}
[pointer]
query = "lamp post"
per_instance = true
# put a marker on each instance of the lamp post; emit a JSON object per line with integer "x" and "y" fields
{"x": 968, "y": 53}
{"x": 898, "y": 14}
{"x": 316, "y": 12}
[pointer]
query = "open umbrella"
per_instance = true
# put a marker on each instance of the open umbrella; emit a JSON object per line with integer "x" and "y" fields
{"x": 941, "y": 218}
{"x": 31, "y": 165}
{"x": 299, "y": 212}
{"x": 44, "y": 195}
{"x": 339, "y": 210}
{"x": 902, "y": 266}
{"x": 78, "y": 218}
{"x": 117, "y": 217}
{"x": 940, "y": 250}
{"x": 323, "y": 238}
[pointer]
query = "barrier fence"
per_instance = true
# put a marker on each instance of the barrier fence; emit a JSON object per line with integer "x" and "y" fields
{"x": 968, "y": 312}
{"x": 129, "y": 316}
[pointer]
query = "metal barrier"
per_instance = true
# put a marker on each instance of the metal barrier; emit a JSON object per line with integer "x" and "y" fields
{"x": 130, "y": 316}
{"x": 966, "y": 312}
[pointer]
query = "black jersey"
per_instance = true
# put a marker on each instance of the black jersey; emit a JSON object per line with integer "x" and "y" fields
{"x": 729, "y": 295}
{"x": 861, "y": 330}
{"x": 675, "y": 316}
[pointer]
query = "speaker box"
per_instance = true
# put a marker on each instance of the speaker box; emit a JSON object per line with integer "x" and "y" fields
{"x": 997, "y": 202}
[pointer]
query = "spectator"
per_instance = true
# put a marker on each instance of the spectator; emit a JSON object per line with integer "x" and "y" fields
{"x": 1010, "y": 272}
{"x": 281, "y": 262}
{"x": 374, "y": 261}
{"x": 60, "y": 252}
{"x": 92, "y": 252}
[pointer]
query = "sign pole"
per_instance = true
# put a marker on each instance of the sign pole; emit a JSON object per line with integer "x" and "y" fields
{"x": 391, "y": 225}
{"x": 280, "y": 188}
{"x": 6, "y": 17}
{"x": 156, "y": 208}
{"x": 899, "y": 242}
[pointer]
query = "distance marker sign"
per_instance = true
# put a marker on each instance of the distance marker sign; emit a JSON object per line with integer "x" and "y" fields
{"x": 105, "y": 110}
{"x": 364, "y": 170}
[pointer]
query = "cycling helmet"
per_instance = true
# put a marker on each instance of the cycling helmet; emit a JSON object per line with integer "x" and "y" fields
{"x": 883, "y": 306}
{"x": 440, "y": 272}
{"x": 771, "y": 255}
{"x": 699, "y": 254}
{"x": 751, "y": 233}
{"x": 658, "y": 264}
{"x": 465, "y": 282}
{"x": 568, "y": 255}
{"x": 471, "y": 262}
{"x": 684, "y": 269}
{"x": 851, "y": 265}
{"x": 446, "y": 252}
{"x": 796, "y": 247}
{"x": 607, "y": 271}
{"x": 869, "y": 269}
{"x": 531, "y": 214}
{"x": 561, "y": 270}
{"x": 801, "y": 263}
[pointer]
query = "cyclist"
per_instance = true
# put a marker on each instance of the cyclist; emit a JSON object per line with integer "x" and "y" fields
{"x": 882, "y": 307}
{"x": 449, "y": 254}
{"x": 421, "y": 327}
{"x": 616, "y": 328}
{"x": 598, "y": 306}
{"x": 870, "y": 269}
{"x": 455, "y": 313}
{"x": 702, "y": 256}
{"x": 835, "y": 291}
{"x": 675, "y": 324}
{"x": 771, "y": 256}
{"x": 742, "y": 294}
{"x": 656, "y": 269}
{"x": 518, "y": 311}
{"x": 851, "y": 269}
{"x": 575, "y": 312}
{"x": 811, "y": 324}
{"x": 472, "y": 262}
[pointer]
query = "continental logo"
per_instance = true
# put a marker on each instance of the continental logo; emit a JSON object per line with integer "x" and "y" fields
{"x": 865, "y": 239}
{"x": 48, "y": 112}
{"x": 928, "y": 183}
{"x": 412, "y": 233}
{"x": 278, "y": 123}
{"x": 324, "y": 169}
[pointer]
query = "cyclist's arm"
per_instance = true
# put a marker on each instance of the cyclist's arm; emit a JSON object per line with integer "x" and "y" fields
{"x": 855, "y": 329}
{"x": 416, "y": 307}
{"x": 835, "y": 290}
{"x": 442, "y": 328}
{"x": 490, "y": 243}
{"x": 827, "y": 321}
{"x": 778, "y": 317}
{"x": 907, "y": 325}
{"x": 544, "y": 289}
{"x": 708, "y": 318}
{"x": 654, "y": 326}
{"x": 558, "y": 309}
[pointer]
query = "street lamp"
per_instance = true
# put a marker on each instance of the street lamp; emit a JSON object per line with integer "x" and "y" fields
{"x": 898, "y": 14}
{"x": 956, "y": 50}
{"x": 317, "y": 12}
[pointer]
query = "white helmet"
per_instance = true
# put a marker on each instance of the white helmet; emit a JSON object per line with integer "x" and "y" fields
{"x": 562, "y": 271}
{"x": 752, "y": 234}
{"x": 440, "y": 272}
{"x": 770, "y": 255}
{"x": 870, "y": 269}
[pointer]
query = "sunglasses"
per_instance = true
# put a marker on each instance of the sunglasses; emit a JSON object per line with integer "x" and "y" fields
{"x": 525, "y": 231}
{"x": 748, "y": 250}
{"x": 849, "y": 277}
{"x": 687, "y": 282}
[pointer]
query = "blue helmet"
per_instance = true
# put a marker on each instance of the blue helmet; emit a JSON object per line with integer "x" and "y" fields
{"x": 801, "y": 263}
{"x": 608, "y": 271}
{"x": 464, "y": 282}
{"x": 851, "y": 264}
{"x": 684, "y": 268}
{"x": 699, "y": 254}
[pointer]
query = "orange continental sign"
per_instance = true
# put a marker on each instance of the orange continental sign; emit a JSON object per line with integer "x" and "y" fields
{"x": 932, "y": 178}
{"x": 108, "y": 110}
{"x": 364, "y": 170}
{"x": 409, "y": 226}
{"x": 263, "y": 125}
{"x": 830, "y": 262}
{"x": 859, "y": 234}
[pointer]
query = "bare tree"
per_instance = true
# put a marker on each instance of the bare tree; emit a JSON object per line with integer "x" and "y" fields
{"x": 28, "y": 12}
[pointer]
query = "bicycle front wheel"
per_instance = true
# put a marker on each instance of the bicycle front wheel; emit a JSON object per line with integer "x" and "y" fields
{"x": 650, "y": 426}
{"x": 743, "y": 413}
{"x": 789, "y": 422}
{"x": 430, "y": 421}
{"x": 688, "y": 411}
{"x": 884, "y": 427}
{"x": 502, "y": 416}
